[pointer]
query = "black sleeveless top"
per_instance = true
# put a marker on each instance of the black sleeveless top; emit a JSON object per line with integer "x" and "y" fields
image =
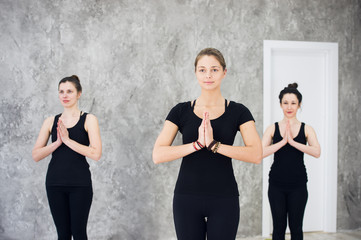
{"x": 204, "y": 172}
{"x": 288, "y": 168}
{"x": 67, "y": 167}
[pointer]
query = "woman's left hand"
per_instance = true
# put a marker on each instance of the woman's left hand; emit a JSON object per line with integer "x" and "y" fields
{"x": 208, "y": 130}
{"x": 63, "y": 131}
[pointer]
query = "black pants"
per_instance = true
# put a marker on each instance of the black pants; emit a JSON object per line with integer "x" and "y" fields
{"x": 196, "y": 217}
{"x": 291, "y": 203}
{"x": 70, "y": 208}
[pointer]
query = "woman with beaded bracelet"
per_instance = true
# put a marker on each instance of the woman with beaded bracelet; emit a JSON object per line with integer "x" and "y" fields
{"x": 206, "y": 201}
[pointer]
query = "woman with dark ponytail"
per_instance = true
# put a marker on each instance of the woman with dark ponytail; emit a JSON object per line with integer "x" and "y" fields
{"x": 289, "y": 139}
{"x": 75, "y": 135}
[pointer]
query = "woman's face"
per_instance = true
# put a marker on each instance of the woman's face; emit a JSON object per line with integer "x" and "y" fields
{"x": 209, "y": 72}
{"x": 290, "y": 105}
{"x": 68, "y": 94}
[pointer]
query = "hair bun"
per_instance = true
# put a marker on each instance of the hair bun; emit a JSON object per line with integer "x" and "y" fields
{"x": 293, "y": 85}
{"x": 76, "y": 77}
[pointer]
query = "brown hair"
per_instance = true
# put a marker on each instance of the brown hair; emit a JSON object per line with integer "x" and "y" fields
{"x": 291, "y": 88}
{"x": 211, "y": 52}
{"x": 74, "y": 80}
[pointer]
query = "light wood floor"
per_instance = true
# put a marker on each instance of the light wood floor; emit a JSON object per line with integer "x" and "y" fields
{"x": 354, "y": 235}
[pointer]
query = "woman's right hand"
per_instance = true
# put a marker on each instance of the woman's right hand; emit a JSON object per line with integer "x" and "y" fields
{"x": 41, "y": 148}
{"x": 208, "y": 130}
{"x": 201, "y": 132}
{"x": 285, "y": 134}
{"x": 58, "y": 138}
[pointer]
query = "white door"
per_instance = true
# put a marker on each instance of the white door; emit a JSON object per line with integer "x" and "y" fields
{"x": 314, "y": 67}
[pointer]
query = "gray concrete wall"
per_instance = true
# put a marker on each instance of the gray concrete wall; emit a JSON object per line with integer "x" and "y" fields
{"x": 135, "y": 61}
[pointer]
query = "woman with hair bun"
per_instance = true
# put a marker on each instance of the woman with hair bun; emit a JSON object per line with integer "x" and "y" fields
{"x": 206, "y": 198}
{"x": 75, "y": 135}
{"x": 289, "y": 139}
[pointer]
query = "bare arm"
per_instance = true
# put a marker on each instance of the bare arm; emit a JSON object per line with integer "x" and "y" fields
{"x": 251, "y": 152}
{"x": 94, "y": 151}
{"x": 41, "y": 149}
{"x": 313, "y": 148}
{"x": 268, "y": 147}
{"x": 163, "y": 151}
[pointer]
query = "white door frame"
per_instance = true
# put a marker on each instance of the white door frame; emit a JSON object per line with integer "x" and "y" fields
{"x": 329, "y": 150}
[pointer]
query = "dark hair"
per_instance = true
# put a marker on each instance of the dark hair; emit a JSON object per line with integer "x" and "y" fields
{"x": 291, "y": 88}
{"x": 74, "y": 80}
{"x": 211, "y": 52}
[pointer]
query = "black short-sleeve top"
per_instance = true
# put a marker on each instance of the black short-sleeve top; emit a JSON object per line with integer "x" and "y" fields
{"x": 204, "y": 172}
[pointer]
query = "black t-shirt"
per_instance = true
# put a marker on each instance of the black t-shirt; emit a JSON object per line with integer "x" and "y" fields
{"x": 204, "y": 172}
{"x": 67, "y": 167}
{"x": 288, "y": 168}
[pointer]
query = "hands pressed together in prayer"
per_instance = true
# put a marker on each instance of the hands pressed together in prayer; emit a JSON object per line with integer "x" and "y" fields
{"x": 62, "y": 133}
{"x": 287, "y": 135}
{"x": 205, "y": 131}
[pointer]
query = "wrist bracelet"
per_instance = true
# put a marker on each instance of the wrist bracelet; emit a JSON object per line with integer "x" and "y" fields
{"x": 199, "y": 144}
{"x": 209, "y": 148}
{"x": 216, "y": 147}
{"x": 194, "y": 145}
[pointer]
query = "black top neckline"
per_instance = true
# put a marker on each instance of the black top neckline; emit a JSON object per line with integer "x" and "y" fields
{"x": 299, "y": 131}
{"x": 81, "y": 114}
{"x": 225, "y": 109}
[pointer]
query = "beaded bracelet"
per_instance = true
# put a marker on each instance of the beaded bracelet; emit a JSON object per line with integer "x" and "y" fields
{"x": 216, "y": 147}
{"x": 209, "y": 148}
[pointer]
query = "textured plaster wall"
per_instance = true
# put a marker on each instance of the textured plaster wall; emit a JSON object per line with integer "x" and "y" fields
{"x": 349, "y": 154}
{"x": 134, "y": 59}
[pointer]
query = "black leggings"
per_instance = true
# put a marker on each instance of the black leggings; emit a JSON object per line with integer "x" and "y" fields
{"x": 291, "y": 203}
{"x": 196, "y": 217}
{"x": 70, "y": 208}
